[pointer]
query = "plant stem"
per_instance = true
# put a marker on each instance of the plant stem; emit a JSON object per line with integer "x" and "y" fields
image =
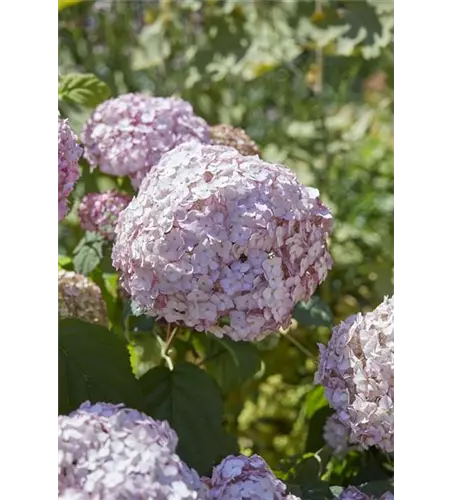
{"x": 299, "y": 346}
{"x": 169, "y": 338}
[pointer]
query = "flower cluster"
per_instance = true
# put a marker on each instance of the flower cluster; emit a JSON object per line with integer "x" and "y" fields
{"x": 353, "y": 493}
{"x": 250, "y": 478}
{"x": 108, "y": 451}
{"x": 357, "y": 370}
{"x": 79, "y": 297}
{"x": 227, "y": 135}
{"x": 69, "y": 153}
{"x": 337, "y": 436}
{"x": 127, "y": 135}
{"x": 222, "y": 242}
{"x": 99, "y": 212}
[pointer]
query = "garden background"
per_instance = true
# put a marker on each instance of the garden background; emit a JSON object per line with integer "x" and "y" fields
{"x": 312, "y": 85}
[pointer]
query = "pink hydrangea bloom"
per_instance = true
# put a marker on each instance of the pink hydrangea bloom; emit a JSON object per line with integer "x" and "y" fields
{"x": 69, "y": 153}
{"x": 108, "y": 451}
{"x": 246, "y": 478}
{"x": 357, "y": 370}
{"x": 128, "y": 135}
{"x": 222, "y": 242}
{"x": 99, "y": 212}
{"x": 353, "y": 493}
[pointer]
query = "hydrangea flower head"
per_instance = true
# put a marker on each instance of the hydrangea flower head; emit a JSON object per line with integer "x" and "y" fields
{"x": 222, "y": 242}
{"x": 357, "y": 370}
{"x": 99, "y": 212}
{"x": 246, "y": 478}
{"x": 109, "y": 451}
{"x": 127, "y": 135}
{"x": 227, "y": 135}
{"x": 69, "y": 153}
{"x": 79, "y": 297}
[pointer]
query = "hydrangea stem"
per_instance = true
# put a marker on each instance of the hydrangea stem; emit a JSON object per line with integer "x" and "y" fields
{"x": 299, "y": 346}
{"x": 170, "y": 334}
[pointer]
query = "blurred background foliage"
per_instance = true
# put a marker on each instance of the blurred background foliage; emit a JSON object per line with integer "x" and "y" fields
{"x": 312, "y": 83}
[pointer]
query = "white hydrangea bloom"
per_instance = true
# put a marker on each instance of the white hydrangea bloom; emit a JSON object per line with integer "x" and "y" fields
{"x": 222, "y": 242}
{"x": 357, "y": 370}
{"x": 246, "y": 478}
{"x": 108, "y": 451}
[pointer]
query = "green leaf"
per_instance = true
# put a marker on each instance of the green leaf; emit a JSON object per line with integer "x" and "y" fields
{"x": 269, "y": 343}
{"x": 191, "y": 402}
{"x": 145, "y": 352}
{"x": 93, "y": 364}
{"x": 314, "y": 400}
{"x": 294, "y": 489}
{"x": 88, "y": 253}
{"x": 141, "y": 323}
{"x": 316, "y": 410}
{"x": 318, "y": 490}
{"x": 309, "y": 469}
{"x": 134, "y": 321}
{"x": 315, "y": 440}
{"x": 83, "y": 89}
{"x": 64, "y": 261}
{"x": 377, "y": 488}
{"x": 101, "y": 280}
{"x": 230, "y": 363}
{"x": 371, "y": 467}
{"x": 313, "y": 313}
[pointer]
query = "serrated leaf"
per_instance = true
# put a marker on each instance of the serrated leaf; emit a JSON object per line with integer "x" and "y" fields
{"x": 93, "y": 364}
{"x": 313, "y": 313}
{"x": 83, "y": 89}
{"x": 190, "y": 401}
{"x": 88, "y": 253}
{"x": 230, "y": 363}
